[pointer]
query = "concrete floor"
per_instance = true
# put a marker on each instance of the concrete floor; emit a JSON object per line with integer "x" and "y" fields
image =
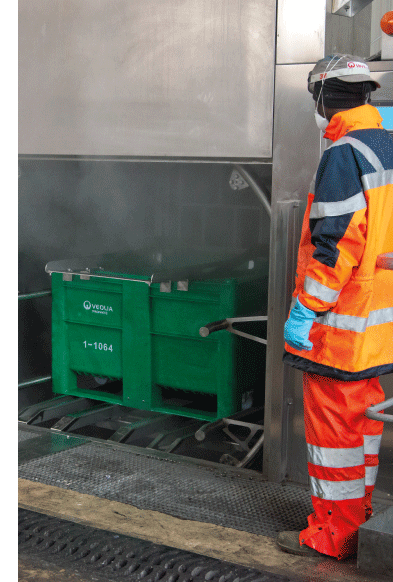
{"x": 226, "y": 544}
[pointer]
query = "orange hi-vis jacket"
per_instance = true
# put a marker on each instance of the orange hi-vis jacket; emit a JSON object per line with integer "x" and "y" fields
{"x": 347, "y": 224}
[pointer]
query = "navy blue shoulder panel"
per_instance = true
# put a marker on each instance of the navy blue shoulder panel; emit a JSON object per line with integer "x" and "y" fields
{"x": 379, "y": 141}
{"x": 338, "y": 175}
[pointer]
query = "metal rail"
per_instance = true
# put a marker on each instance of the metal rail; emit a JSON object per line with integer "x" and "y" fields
{"x": 35, "y": 295}
{"x": 256, "y": 188}
{"x": 33, "y": 381}
{"x": 374, "y": 413}
{"x": 22, "y": 297}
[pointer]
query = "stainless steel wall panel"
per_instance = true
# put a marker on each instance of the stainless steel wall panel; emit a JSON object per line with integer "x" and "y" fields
{"x": 296, "y": 153}
{"x": 300, "y": 31}
{"x": 124, "y": 77}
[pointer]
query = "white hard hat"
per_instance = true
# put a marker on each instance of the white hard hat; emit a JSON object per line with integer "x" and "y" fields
{"x": 348, "y": 68}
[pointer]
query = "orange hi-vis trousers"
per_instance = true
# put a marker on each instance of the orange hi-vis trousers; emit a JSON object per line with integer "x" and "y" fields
{"x": 342, "y": 448}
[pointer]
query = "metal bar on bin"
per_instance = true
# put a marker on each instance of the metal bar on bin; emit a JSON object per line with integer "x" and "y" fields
{"x": 373, "y": 411}
{"x": 96, "y": 275}
{"x": 35, "y": 295}
{"x": 227, "y": 324}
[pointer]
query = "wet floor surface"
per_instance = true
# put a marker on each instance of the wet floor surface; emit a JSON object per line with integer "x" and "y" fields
{"x": 220, "y": 543}
{"x": 218, "y": 513}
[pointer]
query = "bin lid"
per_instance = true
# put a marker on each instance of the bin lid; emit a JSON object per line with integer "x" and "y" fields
{"x": 160, "y": 266}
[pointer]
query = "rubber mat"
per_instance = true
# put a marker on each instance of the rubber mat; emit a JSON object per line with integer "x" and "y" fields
{"x": 107, "y": 556}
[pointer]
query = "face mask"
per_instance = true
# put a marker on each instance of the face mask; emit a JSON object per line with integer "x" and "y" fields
{"x": 321, "y": 122}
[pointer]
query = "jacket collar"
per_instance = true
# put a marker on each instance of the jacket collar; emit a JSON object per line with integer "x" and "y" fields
{"x": 363, "y": 117}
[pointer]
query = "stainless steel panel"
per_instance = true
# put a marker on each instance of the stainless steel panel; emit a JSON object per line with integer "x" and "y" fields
{"x": 348, "y": 7}
{"x": 300, "y": 31}
{"x": 386, "y": 47}
{"x": 348, "y": 35}
{"x": 296, "y": 152}
{"x": 124, "y": 77}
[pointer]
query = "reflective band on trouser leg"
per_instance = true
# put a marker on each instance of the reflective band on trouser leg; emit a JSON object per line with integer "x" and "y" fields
{"x": 337, "y": 490}
{"x": 334, "y": 421}
{"x": 372, "y": 442}
{"x": 335, "y": 457}
{"x": 371, "y": 475}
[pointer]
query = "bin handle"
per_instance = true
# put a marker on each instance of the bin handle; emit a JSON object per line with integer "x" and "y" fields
{"x": 227, "y": 324}
{"x": 373, "y": 411}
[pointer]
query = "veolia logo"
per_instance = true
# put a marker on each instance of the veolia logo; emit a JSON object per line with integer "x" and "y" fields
{"x": 352, "y": 65}
{"x": 96, "y": 308}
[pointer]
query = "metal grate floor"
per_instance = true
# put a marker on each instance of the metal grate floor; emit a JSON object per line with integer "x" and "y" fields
{"x": 187, "y": 491}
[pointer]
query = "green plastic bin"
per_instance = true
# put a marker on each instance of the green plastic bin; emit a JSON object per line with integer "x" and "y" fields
{"x": 129, "y": 329}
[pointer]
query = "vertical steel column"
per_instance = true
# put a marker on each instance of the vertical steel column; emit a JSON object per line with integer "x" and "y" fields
{"x": 296, "y": 151}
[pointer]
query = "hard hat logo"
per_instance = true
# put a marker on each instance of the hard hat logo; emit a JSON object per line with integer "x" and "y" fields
{"x": 352, "y": 65}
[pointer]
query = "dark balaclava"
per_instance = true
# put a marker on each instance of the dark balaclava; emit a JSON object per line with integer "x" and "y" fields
{"x": 338, "y": 94}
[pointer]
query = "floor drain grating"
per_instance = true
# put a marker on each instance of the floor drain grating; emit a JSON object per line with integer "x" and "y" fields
{"x": 113, "y": 556}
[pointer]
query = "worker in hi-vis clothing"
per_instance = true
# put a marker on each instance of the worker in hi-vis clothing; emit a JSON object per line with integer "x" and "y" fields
{"x": 340, "y": 327}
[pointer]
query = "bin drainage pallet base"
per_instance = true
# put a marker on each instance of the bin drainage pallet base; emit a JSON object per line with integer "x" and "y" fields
{"x": 219, "y": 495}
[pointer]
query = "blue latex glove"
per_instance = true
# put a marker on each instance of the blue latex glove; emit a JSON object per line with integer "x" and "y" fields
{"x": 297, "y": 327}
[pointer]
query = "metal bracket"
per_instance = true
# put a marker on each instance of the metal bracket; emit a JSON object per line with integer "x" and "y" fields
{"x": 85, "y": 275}
{"x": 67, "y": 276}
{"x": 244, "y": 444}
{"x": 182, "y": 285}
{"x": 166, "y": 287}
{"x": 237, "y": 182}
{"x": 348, "y": 7}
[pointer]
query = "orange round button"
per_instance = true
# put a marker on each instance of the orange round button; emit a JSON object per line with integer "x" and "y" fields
{"x": 387, "y": 23}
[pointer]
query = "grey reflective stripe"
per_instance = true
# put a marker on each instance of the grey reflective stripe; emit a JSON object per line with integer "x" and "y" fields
{"x": 371, "y": 475}
{"x": 352, "y": 204}
{"x": 354, "y": 323}
{"x": 335, "y": 458}
{"x": 362, "y": 148}
{"x": 372, "y": 444}
{"x": 337, "y": 490}
{"x": 377, "y": 179}
{"x": 320, "y": 291}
